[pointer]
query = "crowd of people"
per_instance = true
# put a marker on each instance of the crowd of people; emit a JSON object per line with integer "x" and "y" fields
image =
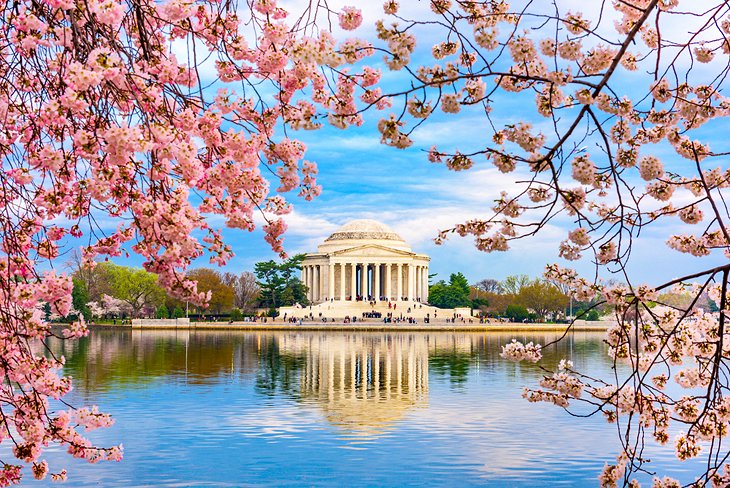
{"x": 388, "y": 318}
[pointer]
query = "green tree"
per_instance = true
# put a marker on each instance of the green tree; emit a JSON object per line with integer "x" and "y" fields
{"x": 592, "y": 315}
{"x": 162, "y": 312}
{"x": 438, "y": 294}
{"x": 480, "y": 303}
{"x": 178, "y": 313}
{"x": 676, "y": 300}
{"x": 80, "y": 298}
{"x": 451, "y": 295}
{"x": 295, "y": 292}
{"x": 136, "y": 287}
{"x": 279, "y": 283}
{"x": 542, "y": 297}
{"x": 236, "y": 315}
{"x": 513, "y": 284}
{"x": 271, "y": 282}
{"x": 460, "y": 285}
{"x": 517, "y": 313}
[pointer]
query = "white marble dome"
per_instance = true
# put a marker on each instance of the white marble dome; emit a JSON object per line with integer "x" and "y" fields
{"x": 364, "y": 229}
{"x": 363, "y": 232}
{"x": 365, "y": 259}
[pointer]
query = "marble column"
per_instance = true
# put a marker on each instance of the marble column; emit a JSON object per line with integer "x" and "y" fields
{"x": 353, "y": 281}
{"x": 315, "y": 283}
{"x": 387, "y": 281}
{"x": 342, "y": 282}
{"x": 425, "y": 283}
{"x": 410, "y": 281}
{"x": 331, "y": 281}
{"x": 376, "y": 281}
{"x": 420, "y": 284}
{"x": 305, "y": 279}
{"x": 320, "y": 288}
{"x": 419, "y": 288}
{"x": 399, "y": 281}
{"x": 309, "y": 282}
{"x": 364, "y": 280}
{"x": 416, "y": 282}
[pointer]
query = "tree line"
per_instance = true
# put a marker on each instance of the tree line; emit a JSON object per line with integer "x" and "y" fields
{"x": 520, "y": 298}
{"x": 516, "y": 297}
{"x": 108, "y": 290}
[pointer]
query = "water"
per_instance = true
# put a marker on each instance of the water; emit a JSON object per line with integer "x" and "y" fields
{"x": 360, "y": 409}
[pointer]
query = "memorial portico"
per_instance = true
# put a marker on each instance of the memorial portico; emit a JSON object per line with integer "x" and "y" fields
{"x": 365, "y": 260}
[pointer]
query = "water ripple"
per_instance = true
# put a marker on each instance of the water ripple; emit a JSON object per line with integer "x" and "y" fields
{"x": 324, "y": 409}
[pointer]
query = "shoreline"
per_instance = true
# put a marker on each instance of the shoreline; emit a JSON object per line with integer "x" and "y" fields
{"x": 366, "y": 326}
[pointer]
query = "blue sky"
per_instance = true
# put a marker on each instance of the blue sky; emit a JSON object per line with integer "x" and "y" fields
{"x": 363, "y": 179}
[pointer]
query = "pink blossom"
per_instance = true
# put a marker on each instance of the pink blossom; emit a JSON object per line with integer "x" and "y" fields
{"x": 516, "y": 351}
{"x": 350, "y": 18}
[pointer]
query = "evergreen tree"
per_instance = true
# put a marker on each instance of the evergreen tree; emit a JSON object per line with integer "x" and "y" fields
{"x": 453, "y": 295}
{"x": 162, "y": 312}
{"x": 80, "y": 298}
{"x": 280, "y": 285}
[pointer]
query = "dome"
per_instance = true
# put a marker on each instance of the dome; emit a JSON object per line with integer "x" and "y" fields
{"x": 364, "y": 229}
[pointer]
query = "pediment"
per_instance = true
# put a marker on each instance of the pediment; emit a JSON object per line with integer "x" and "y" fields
{"x": 372, "y": 250}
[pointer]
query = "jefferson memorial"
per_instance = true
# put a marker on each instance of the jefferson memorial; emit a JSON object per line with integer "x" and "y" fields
{"x": 365, "y": 260}
{"x": 365, "y": 267}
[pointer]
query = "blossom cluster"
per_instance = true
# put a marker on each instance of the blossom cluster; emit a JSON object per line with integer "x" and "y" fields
{"x": 104, "y": 120}
{"x": 602, "y": 164}
{"x": 517, "y": 351}
{"x": 556, "y": 68}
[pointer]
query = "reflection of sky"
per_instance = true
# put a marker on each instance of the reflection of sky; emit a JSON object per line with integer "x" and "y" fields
{"x": 223, "y": 430}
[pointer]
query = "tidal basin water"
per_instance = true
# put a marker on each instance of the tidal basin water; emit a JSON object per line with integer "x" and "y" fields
{"x": 337, "y": 409}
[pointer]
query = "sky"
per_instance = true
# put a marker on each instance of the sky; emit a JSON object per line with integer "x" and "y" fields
{"x": 362, "y": 178}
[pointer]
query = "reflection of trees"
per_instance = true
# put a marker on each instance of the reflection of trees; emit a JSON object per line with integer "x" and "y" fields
{"x": 452, "y": 355}
{"x": 278, "y": 373}
{"x": 454, "y": 364}
{"x": 306, "y": 365}
{"x": 123, "y": 357}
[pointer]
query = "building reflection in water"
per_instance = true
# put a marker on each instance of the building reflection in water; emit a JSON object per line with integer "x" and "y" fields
{"x": 363, "y": 383}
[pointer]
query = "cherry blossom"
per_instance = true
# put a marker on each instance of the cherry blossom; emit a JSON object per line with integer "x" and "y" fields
{"x": 629, "y": 116}
{"x": 350, "y": 18}
{"x": 516, "y": 351}
{"x": 103, "y": 118}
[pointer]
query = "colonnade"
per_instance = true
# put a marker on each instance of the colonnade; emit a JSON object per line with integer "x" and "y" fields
{"x": 366, "y": 281}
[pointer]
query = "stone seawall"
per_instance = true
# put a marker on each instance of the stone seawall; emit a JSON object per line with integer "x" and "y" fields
{"x": 183, "y": 323}
{"x": 366, "y": 326}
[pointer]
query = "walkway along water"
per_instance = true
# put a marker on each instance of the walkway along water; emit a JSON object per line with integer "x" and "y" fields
{"x": 367, "y": 325}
